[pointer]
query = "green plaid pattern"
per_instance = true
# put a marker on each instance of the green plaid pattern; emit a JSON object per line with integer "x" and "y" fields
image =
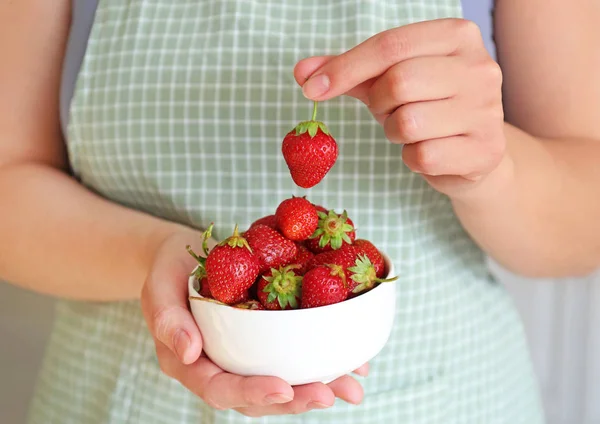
{"x": 179, "y": 111}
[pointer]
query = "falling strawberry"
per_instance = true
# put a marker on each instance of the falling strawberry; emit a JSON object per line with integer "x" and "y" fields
{"x": 374, "y": 255}
{"x": 309, "y": 151}
{"x": 280, "y": 288}
{"x": 323, "y": 285}
{"x": 302, "y": 258}
{"x": 296, "y": 218}
{"x": 332, "y": 232}
{"x": 268, "y": 220}
{"x": 270, "y": 247}
{"x": 249, "y": 304}
{"x": 231, "y": 269}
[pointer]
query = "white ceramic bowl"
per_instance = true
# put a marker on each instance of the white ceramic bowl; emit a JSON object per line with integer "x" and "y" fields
{"x": 299, "y": 346}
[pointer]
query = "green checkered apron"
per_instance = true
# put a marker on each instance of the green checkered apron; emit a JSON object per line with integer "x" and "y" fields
{"x": 179, "y": 111}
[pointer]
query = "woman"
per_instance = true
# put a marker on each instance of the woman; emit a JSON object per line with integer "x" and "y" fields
{"x": 172, "y": 114}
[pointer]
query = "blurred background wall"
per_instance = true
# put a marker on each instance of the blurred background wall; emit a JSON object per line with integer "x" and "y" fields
{"x": 560, "y": 317}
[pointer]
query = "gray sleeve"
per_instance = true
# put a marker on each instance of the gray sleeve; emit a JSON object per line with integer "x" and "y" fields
{"x": 82, "y": 18}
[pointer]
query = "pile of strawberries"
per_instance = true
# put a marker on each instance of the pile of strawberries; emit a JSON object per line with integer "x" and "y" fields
{"x": 303, "y": 256}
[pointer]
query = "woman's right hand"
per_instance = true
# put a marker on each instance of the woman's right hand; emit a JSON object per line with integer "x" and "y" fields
{"x": 179, "y": 347}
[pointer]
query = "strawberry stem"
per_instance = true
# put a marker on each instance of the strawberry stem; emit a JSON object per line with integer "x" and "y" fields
{"x": 314, "y": 115}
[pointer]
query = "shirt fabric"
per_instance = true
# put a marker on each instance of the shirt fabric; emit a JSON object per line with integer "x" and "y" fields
{"x": 178, "y": 109}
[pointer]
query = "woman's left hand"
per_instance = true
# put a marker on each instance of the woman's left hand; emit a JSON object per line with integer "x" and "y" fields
{"x": 433, "y": 87}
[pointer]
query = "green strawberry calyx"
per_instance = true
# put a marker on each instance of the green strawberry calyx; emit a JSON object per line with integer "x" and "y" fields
{"x": 284, "y": 286}
{"x": 200, "y": 271}
{"x": 312, "y": 126}
{"x": 333, "y": 228}
{"x": 364, "y": 274}
{"x": 236, "y": 240}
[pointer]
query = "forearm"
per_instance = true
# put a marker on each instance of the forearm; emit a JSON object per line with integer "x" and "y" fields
{"x": 537, "y": 214}
{"x": 61, "y": 239}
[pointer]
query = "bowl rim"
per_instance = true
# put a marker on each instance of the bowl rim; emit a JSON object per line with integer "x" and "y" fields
{"x": 193, "y": 295}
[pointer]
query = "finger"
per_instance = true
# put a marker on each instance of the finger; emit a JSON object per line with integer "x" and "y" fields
{"x": 416, "y": 80}
{"x": 306, "y": 397}
{"x": 234, "y": 391}
{"x": 465, "y": 156}
{"x": 371, "y": 58}
{"x": 165, "y": 308}
{"x": 421, "y": 121}
{"x": 347, "y": 389}
{"x": 306, "y": 67}
{"x": 220, "y": 389}
{"x": 363, "y": 370}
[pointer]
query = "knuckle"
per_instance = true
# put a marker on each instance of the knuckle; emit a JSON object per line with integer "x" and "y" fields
{"x": 424, "y": 159}
{"x": 467, "y": 29}
{"x": 400, "y": 83}
{"x": 404, "y": 125}
{"x": 392, "y": 45}
{"x": 491, "y": 72}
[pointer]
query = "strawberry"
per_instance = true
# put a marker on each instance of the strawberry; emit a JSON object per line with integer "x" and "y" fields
{"x": 323, "y": 285}
{"x": 296, "y": 218}
{"x": 367, "y": 248}
{"x": 363, "y": 276}
{"x": 200, "y": 271}
{"x": 268, "y": 220}
{"x": 249, "y": 304}
{"x": 332, "y": 232}
{"x": 231, "y": 269}
{"x": 204, "y": 290}
{"x": 270, "y": 247}
{"x": 302, "y": 258}
{"x": 345, "y": 257}
{"x": 320, "y": 208}
{"x": 280, "y": 288}
{"x": 309, "y": 151}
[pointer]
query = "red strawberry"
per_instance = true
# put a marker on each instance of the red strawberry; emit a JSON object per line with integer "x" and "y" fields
{"x": 249, "y": 304}
{"x": 309, "y": 151}
{"x": 270, "y": 247}
{"x": 296, "y": 218}
{"x": 231, "y": 269}
{"x": 344, "y": 257}
{"x": 204, "y": 290}
{"x": 374, "y": 255}
{"x": 268, "y": 220}
{"x": 333, "y": 231}
{"x": 302, "y": 258}
{"x": 323, "y": 285}
{"x": 363, "y": 276}
{"x": 280, "y": 288}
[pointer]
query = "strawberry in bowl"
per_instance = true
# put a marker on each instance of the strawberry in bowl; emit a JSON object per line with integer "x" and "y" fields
{"x": 295, "y": 316}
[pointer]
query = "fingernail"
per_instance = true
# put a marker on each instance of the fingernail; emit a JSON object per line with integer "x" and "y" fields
{"x": 181, "y": 342}
{"x": 317, "y": 405}
{"x": 316, "y": 86}
{"x": 277, "y": 398}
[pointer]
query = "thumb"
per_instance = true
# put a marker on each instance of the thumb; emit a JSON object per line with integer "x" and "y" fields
{"x": 165, "y": 308}
{"x": 310, "y": 66}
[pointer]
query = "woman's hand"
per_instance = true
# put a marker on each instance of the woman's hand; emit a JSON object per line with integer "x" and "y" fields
{"x": 433, "y": 87}
{"x": 179, "y": 347}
